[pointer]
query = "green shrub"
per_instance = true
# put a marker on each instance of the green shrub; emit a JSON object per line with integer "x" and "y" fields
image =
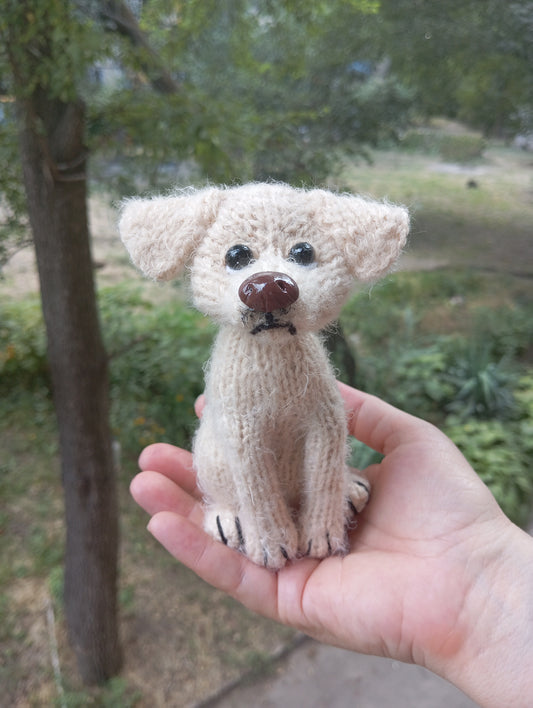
{"x": 156, "y": 359}
{"x": 507, "y": 328}
{"x": 393, "y": 310}
{"x": 500, "y": 453}
{"x": 397, "y": 332}
{"x": 461, "y": 148}
{"x": 482, "y": 387}
{"x": 424, "y": 140}
{"x": 413, "y": 379}
{"x": 524, "y": 400}
{"x": 449, "y": 375}
{"x": 157, "y": 356}
{"x": 23, "y": 362}
{"x": 452, "y": 147}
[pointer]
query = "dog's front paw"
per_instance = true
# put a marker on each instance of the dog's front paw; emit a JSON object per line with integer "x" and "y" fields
{"x": 225, "y": 526}
{"x": 320, "y": 540}
{"x": 270, "y": 549}
{"x": 270, "y": 545}
{"x": 272, "y": 553}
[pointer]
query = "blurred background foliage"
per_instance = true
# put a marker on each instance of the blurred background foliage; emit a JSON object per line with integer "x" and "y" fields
{"x": 473, "y": 380}
{"x": 233, "y": 90}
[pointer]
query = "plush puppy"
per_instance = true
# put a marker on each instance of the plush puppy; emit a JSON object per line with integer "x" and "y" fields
{"x": 273, "y": 266}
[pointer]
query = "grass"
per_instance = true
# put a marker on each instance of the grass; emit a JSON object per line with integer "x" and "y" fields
{"x": 481, "y": 226}
{"x": 424, "y": 183}
{"x": 182, "y": 638}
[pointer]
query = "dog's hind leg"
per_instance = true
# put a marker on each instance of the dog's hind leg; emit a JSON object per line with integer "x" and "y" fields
{"x": 330, "y": 496}
{"x": 357, "y": 490}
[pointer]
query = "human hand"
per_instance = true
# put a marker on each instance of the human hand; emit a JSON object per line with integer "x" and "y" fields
{"x": 424, "y": 562}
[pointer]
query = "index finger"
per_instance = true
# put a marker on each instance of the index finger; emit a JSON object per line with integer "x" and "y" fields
{"x": 380, "y": 425}
{"x": 172, "y": 462}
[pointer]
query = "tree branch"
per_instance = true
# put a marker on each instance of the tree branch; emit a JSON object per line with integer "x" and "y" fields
{"x": 117, "y": 17}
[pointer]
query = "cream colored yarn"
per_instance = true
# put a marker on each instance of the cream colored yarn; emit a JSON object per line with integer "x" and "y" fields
{"x": 270, "y": 451}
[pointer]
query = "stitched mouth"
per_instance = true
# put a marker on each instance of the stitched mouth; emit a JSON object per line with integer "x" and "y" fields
{"x": 271, "y": 322}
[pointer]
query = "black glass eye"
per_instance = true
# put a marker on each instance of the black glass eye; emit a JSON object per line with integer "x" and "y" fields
{"x": 302, "y": 253}
{"x": 239, "y": 256}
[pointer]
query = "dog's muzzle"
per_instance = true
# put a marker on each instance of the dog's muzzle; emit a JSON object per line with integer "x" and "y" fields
{"x": 269, "y": 295}
{"x": 268, "y": 292}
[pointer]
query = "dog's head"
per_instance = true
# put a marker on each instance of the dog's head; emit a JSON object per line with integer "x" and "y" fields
{"x": 266, "y": 255}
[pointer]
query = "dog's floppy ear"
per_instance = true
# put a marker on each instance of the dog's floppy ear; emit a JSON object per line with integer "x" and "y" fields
{"x": 161, "y": 233}
{"x": 371, "y": 234}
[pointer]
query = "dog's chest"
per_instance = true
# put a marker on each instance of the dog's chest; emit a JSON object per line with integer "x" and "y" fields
{"x": 269, "y": 374}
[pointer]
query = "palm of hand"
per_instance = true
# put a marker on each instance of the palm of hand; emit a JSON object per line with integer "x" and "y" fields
{"x": 400, "y": 591}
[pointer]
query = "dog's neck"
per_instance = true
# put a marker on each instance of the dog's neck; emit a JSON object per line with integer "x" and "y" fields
{"x": 281, "y": 338}
{"x": 274, "y": 350}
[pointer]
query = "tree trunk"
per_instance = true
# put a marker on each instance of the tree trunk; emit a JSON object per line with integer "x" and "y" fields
{"x": 53, "y": 158}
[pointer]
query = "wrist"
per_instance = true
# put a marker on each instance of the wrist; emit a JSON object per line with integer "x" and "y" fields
{"x": 493, "y": 663}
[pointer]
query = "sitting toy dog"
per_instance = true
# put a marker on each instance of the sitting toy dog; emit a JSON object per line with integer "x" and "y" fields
{"x": 273, "y": 266}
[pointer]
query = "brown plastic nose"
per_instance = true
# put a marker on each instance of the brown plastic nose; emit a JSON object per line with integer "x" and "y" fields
{"x": 267, "y": 292}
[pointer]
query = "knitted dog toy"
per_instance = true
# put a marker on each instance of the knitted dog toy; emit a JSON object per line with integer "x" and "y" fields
{"x": 273, "y": 266}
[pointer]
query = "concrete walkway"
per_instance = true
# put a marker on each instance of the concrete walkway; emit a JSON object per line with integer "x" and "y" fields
{"x": 318, "y": 676}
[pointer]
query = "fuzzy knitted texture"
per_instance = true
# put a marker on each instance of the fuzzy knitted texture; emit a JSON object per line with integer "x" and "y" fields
{"x": 270, "y": 451}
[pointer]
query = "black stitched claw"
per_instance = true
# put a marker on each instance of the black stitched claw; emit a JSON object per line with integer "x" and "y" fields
{"x": 352, "y": 507}
{"x": 265, "y": 558}
{"x": 239, "y": 531}
{"x": 308, "y": 552}
{"x": 329, "y": 544}
{"x": 221, "y": 532}
{"x": 360, "y": 484}
{"x": 284, "y": 553}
